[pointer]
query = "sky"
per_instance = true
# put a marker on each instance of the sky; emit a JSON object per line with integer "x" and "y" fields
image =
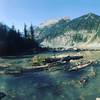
{"x": 18, "y": 12}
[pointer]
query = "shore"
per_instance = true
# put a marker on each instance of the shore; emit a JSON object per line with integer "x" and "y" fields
{"x": 59, "y": 62}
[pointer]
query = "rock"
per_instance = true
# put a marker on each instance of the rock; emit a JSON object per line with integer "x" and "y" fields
{"x": 2, "y": 95}
{"x": 5, "y": 65}
{"x": 84, "y": 80}
{"x": 74, "y": 83}
{"x": 81, "y": 97}
{"x": 92, "y": 72}
{"x": 38, "y": 60}
{"x": 2, "y": 72}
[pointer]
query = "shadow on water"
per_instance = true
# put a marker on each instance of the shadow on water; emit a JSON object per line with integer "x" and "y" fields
{"x": 17, "y": 57}
{"x": 75, "y": 74}
{"x": 49, "y": 85}
{"x": 43, "y": 86}
{"x": 31, "y": 87}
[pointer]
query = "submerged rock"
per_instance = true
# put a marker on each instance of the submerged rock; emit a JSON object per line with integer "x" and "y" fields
{"x": 2, "y": 95}
{"x": 92, "y": 72}
{"x": 5, "y": 65}
{"x": 83, "y": 80}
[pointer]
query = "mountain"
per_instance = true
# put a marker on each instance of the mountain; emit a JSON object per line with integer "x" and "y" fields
{"x": 51, "y": 28}
{"x": 79, "y": 32}
{"x": 89, "y": 21}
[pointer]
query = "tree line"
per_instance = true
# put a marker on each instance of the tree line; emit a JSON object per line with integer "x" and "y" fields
{"x": 12, "y": 41}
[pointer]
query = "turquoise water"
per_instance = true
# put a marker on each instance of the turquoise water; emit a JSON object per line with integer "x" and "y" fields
{"x": 55, "y": 85}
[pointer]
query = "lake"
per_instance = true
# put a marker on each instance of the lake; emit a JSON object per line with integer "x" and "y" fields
{"x": 52, "y": 85}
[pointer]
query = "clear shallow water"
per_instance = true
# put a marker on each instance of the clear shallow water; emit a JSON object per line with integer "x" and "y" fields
{"x": 56, "y": 85}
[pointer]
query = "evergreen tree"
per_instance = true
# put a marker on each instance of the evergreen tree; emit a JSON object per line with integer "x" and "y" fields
{"x": 32, "y": 32}
{"x": 13, "y": 28}
{"x": 19, "y": 33}
{"x": 25, "y": 31}
{"x": 3, "y": 32}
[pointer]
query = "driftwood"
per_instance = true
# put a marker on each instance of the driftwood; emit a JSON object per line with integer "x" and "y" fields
{"x": 80, "y": 66}
{"x": 48, "y": 64}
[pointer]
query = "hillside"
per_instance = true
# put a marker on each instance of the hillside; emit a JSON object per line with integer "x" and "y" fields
{"x": 51, "y": 28}
{"x": 79, "y": 32}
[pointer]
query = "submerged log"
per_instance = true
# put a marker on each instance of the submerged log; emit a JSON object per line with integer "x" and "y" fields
{"x": 13, "y": 72}
{"x": 40, "y": 64}
{"x": 80, "y": 66}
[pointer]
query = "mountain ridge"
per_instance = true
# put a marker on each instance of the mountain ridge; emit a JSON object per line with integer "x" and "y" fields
{"x": 70, "y": 33}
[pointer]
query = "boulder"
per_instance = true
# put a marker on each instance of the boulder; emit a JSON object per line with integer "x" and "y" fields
{"x": 2, "y": 95}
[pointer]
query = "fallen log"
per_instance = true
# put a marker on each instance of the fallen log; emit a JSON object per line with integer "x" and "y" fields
{"x": 68, "y": 58}
{"x": 81, "y": 66}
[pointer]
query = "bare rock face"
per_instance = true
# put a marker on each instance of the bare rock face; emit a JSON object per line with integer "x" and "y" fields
{"x": 83, "y": 31}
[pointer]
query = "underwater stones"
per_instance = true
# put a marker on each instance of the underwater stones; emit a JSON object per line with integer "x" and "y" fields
{"x": 65, "y": 83}
{"x": 4, "y": 65}
{"x": 97, "y": 62}
{"x": 62, "y": 96}
{"x": 75, "y": 83}
{"x": 2, "y": 95}
{"x": 83, "y": 80}
{"x": 57, "y": 90}
{"x": 2, "y": 72}
{"x": 92, "y": 72}
{"x": 79, "y": 83}
{"x": 81, "y": 97}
